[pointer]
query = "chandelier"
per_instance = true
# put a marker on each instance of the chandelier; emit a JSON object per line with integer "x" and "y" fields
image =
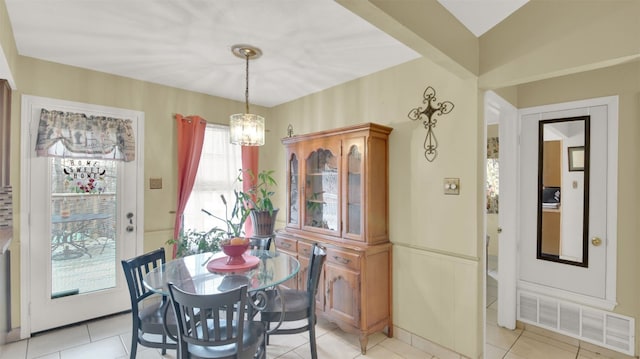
{"x": 246, "y": 129}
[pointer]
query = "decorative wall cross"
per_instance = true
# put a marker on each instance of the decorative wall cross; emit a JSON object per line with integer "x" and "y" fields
{"x": 440, "y": 108}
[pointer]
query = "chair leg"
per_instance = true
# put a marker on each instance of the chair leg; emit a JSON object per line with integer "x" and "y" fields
{"x": 134, "y": 345}
{"x": 266, "y": 336}
{"x": 312, "y": 338}
{"x": 262, "y": 351}
{"x": 164, "y": 344}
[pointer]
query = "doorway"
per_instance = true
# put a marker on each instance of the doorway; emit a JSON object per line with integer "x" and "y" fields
{"x": 83, "y": 213}
{"x": 500, "y": 218}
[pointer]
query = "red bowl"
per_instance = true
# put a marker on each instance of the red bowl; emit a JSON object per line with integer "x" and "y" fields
{"x": 235, "y": 252}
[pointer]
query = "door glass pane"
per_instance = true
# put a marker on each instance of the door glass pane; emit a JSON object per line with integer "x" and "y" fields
{"x": 294, "y": 213}
{"x": 354, "y": 188}
{"x": 83, "y": 225}
{"x": 321, "y": 190}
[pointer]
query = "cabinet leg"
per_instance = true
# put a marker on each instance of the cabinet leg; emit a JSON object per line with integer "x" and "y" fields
{"x": 364, "y": 339}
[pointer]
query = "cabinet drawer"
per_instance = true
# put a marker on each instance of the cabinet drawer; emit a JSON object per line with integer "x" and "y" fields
{"x": 286, "y": 245}
{"x": 343, "y": 258}
{"x": 304, "y": 249}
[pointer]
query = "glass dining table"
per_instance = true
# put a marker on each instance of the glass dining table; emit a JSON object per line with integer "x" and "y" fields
{"x": 193, "y": 274}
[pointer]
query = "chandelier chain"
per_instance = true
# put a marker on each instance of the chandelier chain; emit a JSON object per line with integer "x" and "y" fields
{"x": 246, "y": 90}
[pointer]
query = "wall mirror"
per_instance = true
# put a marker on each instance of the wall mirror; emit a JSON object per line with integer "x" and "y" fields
{"x": 563, "y": 190}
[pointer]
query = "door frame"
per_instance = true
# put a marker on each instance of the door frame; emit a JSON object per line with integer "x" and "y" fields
{"x": 25, "y": 232}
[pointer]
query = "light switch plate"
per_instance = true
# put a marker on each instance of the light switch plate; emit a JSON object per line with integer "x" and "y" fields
{"x": 155, "y": 183}
{"x": 452, "y": 186}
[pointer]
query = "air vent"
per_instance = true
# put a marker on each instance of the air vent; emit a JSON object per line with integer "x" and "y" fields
{"x": 606, "y": 329}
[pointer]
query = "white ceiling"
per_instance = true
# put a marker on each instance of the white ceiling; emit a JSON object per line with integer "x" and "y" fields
{"x": 479, "y": 16}
{"x": 307, "y": 46}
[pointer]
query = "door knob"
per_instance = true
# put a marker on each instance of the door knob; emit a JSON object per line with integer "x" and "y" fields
{"x": 596, "y": 241}
{"x": 499, "y": 229}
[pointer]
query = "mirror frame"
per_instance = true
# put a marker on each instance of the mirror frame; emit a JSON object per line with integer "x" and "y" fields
{"x": 585, "y": 214}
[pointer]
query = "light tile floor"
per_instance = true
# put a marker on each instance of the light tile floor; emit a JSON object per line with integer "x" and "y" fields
{"x": 532, "y": 342}
{"x": 109, "y": 338}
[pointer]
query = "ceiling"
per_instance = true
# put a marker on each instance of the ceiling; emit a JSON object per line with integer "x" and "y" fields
{"x": 479, "y": 16}
{"x": 186, "y": 44}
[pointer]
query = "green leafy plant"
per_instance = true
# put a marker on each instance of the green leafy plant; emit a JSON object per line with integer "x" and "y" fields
{"x": 239, "y": 214}
{"x": 193, "y": 242}
{"x": 258, "y": 197}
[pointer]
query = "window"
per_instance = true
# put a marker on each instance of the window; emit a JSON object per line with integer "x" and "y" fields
{"x": 493, "y": 175}
{"x": 220, "y": 163}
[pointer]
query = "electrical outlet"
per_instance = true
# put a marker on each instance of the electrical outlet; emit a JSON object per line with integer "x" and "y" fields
{"x": 452, "y": 186}
{"x": 155, "y": 183}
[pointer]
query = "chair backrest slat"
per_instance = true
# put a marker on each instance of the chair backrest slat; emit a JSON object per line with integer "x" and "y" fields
{"x": 318, "y": 256}
{"x": 134, "y": 271}
{"x": 210, "y": 320}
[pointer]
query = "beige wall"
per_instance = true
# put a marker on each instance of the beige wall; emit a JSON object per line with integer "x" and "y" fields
{"x": 7, "y": 44}
{"x": 436, "y": 291}
{"x": 623, "y": 81}
{"x": 546, "y": 39}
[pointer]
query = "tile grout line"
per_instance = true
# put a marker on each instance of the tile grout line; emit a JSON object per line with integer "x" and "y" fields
{"x": 513, "y": 344}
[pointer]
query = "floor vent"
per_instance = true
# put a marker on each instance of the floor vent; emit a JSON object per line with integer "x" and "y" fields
{"x": 599, "y": 327}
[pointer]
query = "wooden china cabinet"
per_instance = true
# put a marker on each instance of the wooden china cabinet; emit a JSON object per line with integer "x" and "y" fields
{"x": 337, "y": 195}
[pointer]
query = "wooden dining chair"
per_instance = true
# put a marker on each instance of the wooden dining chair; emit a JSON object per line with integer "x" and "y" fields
{"x": 298, "y": 304}
{"x": 214, "y": 326}
{"x": 149, "y": 311}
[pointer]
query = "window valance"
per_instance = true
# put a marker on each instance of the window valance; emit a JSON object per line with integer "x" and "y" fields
{"x": 67, "y": 134}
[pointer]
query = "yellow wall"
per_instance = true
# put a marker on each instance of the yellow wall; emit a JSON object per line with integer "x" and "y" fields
{"x": 624, "y": 81}
{"x": 435, "y": 286}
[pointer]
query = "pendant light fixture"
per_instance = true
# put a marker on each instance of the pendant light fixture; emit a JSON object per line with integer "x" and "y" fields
{"x": 246, "y": 129}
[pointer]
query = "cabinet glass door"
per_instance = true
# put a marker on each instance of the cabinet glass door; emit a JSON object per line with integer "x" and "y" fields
{"x": 293, "y": 219}
{"x": 353, "y": 212}
{"x": 321, "y": 191}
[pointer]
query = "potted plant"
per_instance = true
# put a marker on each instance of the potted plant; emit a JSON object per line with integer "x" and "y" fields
{"x": 192, "y": 242}
{"x": 239, "y": 215}
{"x": 255, "y": 202}
{"x": 258, "y": 198}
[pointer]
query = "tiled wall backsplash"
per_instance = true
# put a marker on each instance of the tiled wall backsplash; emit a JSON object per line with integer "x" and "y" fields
{"x": 6, "y": 207}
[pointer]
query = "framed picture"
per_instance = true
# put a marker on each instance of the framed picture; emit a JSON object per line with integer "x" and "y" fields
{"x": 576, "y": 158}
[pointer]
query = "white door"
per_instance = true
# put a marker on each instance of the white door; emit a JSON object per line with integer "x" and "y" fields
{"x": 596, "y": 278}
{"x": 84, "y": 216}
{"x": 499, "y": 111}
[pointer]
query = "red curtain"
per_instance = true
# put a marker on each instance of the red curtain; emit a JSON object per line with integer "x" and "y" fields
{"x": 249, "y": 162}
{"x": 190, "y": 139}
